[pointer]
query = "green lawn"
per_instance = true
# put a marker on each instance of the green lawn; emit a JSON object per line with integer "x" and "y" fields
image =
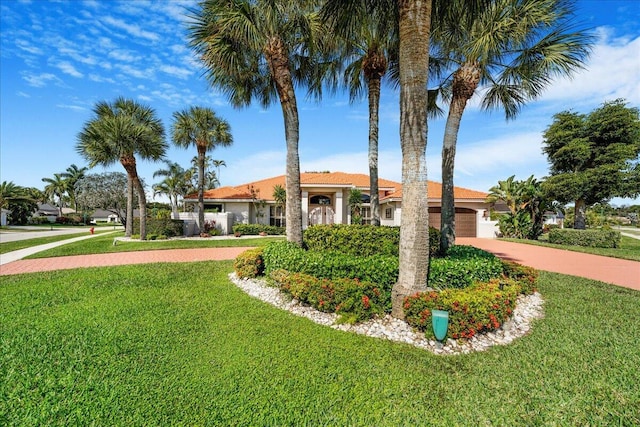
{"x": 178, "y": 344}
{"x": 28, "y": 243}
{"x": 104, "y": 244}
{"x": 629, "y": 248}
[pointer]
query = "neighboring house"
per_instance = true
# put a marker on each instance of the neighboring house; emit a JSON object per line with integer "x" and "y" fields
{"x": 48, "y": 211}
{"x": 103, "y": 215}
{"x": 3, "y": 217}
{"x": 554, "y": 218}
{"x": 325, "y": 197}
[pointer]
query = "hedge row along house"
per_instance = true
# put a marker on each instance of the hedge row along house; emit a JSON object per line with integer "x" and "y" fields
{"x": 325, "y": 200}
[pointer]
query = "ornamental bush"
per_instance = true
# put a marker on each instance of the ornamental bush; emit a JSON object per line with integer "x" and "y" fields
{"x": 249, "y": 264}
{"x": 352, "y": 299}
{"x": 165, "y": 226}
{"x": 603, "y": 238}
{"x": 255, "y": 229}
{"x": 360, "y": 240}
{"x": 463, "y": 266}
{"x": 379, "y": 269}
{"x": 482, "y": 307}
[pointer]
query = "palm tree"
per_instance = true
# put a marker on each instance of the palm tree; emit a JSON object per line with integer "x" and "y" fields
{"x": 9, "y": 192}
{"x": 56, "y": 187}
{"x": 257, "y": 50}
{"x": 174, "y": 184}
{"x": 72, "y": 175}
{"x": 201, "y": 127}
{"x": 513, "y": 48}
{"x": 370, "y": 51}
{"x": 217, "y": 164}
{"x": 118, "y": 132}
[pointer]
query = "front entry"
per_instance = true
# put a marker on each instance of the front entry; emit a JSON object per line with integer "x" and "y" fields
{"x": 321, "y": 215}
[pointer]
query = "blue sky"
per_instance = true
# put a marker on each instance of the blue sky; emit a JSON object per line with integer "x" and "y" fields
{"x": 58, "y": 58}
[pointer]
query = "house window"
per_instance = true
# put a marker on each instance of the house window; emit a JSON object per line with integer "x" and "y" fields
{"x": 365, "y": 198}
{"x": 320, "y": 200}
{"x": 388, "y": 213}
{"x": 365, "y": 212}
{"x": 277, "y": 216}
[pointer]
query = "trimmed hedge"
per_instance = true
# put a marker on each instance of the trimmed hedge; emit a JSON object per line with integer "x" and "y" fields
{"x": 352, "y": 299}
{"x": 379, "y": 269}
{"x": 604, "y": 238}
{"x": 360, "y": 240}
{"x": 463, "y": 266}
{"x": 249, "y": 264}
{"x": 255, "y": 229}
{"x": 160, "y": 227}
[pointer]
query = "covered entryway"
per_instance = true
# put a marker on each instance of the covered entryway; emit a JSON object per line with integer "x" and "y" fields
{"x": 321, "y": 210}
{"x": 466, "y": 225}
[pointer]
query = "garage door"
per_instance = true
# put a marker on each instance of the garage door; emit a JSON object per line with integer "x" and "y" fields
{"x": 465, "y": 221}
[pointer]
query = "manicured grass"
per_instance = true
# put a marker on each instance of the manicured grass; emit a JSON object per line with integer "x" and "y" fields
{"x": 104, "y": 244}
{"x": 629, "y": 248}
{"x": 178, "y": 344}
{"x": 28, "y": 243}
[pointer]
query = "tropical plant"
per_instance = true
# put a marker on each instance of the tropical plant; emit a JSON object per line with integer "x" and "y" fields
{"x": 593, "y": 157}
{"x": 72, "y": 175}
{"x": 370, "y": 50}
{"x": 257, "y": 50}
{"x": 201, "y": 127}
{"x": 217, "y": 164}
{"x": 512, "y": 49}
{"x": 355, "y": 205}
{"x": 8, "y": 192}
{"x": 118, "y": 132}
{"x": 56, "y": 187}
{"x": 174, "y": 185}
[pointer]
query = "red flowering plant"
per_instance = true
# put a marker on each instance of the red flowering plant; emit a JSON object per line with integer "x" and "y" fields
{"x": 481, "y": 307}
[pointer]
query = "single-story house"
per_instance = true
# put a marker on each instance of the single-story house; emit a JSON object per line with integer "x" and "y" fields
{"x": 325, "y": 197}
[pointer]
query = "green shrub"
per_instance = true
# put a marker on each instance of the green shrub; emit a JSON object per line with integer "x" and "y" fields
{"x": 165, "y": 227}
{"x": 352, "y": 299}
{"x": 481, "y": 307}
{"x": 255, "y": 229}
{"x": 463, "y": 266}
{"x": 249, "y": 264}
{"x": 604, "y": 238}
{"x": 527, "y": 277}
{"x": 379, "y": 269}
{"x": 360, "y": 240}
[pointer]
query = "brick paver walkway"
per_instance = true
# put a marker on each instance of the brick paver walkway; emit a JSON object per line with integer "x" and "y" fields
{"x": 119, "y": 258}
{"x": 610, "y": 270}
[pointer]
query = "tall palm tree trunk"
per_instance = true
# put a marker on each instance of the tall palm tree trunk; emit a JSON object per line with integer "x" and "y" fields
{"x": 201, "y": 158}
{"x": 129, "y": 164}
{"x": 278, "y": 61}
{"x": 128, "y": 226}
{"x": 414, "y": 25}
{"x": 580, "y": 216}
{"x": 374, "y": 107}
{"x": 465, "y": 82}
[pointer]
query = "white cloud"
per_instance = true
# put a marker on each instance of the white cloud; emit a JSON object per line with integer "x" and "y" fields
{"x": 27, "y": 47}
{"x": 40, "y": 80}
{"x": 181, "y": 73}
{"x": 612, "y": 72}
{"x": 69, "y": 69}
{"x": 123, "y": 55}
{"x": 132, "y": 29}
{"x": 71, "y": 107}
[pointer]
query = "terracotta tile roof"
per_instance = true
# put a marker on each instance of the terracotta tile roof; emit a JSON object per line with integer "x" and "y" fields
{"x": 434, "y": 191}
{"x": 264, "y": 188}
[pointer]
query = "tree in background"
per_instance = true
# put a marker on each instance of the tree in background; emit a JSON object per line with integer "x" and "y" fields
{"x": 217, "y": 164}
{"x": 72, "y": 175}
{"x": 512, "y": 49}
{"x": 260, "y": 50}
{"x": 106, "y": 191}
{"x": 117, "y": 133}
{"x": 593, "y": 157}
{"x": 201, "y": 127}
{"x": 370, "y": 49}
{"x": 174, "y": 185}
{"x": 355, "y": 205}
{"x": 280, "y": 197}
{"x": 19, "y": 201}
{"x": 56, "y": 187}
